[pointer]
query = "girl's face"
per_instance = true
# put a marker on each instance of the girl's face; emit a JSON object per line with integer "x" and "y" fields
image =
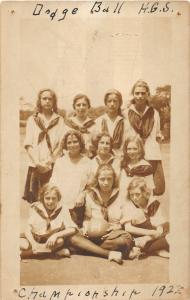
{"x": 50, "y": 200}
{"x": 73, "y": 145}
{"x": 81, "y": 108}
{"x": 136, "y": 195}
{"x": 140, "y": 96}
{"x": 106, "y": 180}
{"x": 104, "y": 145}
{"x": 113, "y": 104}
{"x": 133, "y": 151}
{"x": 46, "y": 101}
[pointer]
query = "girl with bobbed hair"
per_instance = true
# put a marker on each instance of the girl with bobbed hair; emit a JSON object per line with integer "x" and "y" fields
{"x": 144, "y": 120}
{"x": 134, "y": 165}
{"x": 48, "y": 226}
{"x": 44, "y": 132}
{"x": 81, "y": 121}
{"x": 142, "y": 217}
{"x": 72, "y": 171}
{"x": 112, "y": 122}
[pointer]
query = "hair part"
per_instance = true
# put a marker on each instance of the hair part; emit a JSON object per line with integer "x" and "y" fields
{"x": 119, "y": 96}
{"x": 80, "y": 96}
{"x": 54, "y": 97}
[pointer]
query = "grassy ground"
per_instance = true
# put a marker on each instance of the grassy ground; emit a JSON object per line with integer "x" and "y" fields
{"x": 92, "y": 270}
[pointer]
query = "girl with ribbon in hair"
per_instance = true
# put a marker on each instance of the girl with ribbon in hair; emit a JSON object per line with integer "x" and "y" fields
{"x": 112, "y": 122}
{"x": 103, "y": 214}
{"x": 134, "y": 165}
{"x": 143, "y": 219}
{"x": 44, "y": 132}
{"x": 145, "y": 122}
{"x": 80, "y": 120}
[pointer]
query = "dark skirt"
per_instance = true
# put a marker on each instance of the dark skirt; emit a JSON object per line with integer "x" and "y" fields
{"x": 34, "y": 181}
{"x": 77, "y": 215}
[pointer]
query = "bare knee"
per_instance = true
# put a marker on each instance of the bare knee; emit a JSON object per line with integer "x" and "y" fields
{"x": 24, "y": 244}
{"x": 60, "y": 241}
{"x": 75, "y": 239}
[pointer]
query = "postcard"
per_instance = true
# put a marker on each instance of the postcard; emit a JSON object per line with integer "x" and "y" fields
{"x": 94, "y": 104}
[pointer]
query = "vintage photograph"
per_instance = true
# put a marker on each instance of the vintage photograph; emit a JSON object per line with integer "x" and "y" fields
{"x": 95, "y": 150}
{"x": 94, "y": 99}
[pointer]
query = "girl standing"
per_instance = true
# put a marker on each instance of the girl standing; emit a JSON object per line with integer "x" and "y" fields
{"x": 44, "y": 132}
{"x": 112, "y": 122}
{"x": 81, "y": 121}
{"x": 145, "y": 122}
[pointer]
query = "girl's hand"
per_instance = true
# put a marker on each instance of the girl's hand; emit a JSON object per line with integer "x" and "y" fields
{"x": 158, "y": 232}
{"x": 80, "y": 200}
{"x": 51, "y": 241}
{"x": 159, "y": 138}
{"x": 34, "y": 247}
{"x": 111, "y": 228}
{"x": 141, "y": 241}
{"x": 43, "y": 168}
{"x": 114, "y": 227}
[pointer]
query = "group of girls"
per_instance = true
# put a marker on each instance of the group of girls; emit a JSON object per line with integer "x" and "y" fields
{"x": 94, "y": 185}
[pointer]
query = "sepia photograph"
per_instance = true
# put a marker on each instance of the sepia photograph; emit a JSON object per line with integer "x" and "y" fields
{"x": 93, "y": 170}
